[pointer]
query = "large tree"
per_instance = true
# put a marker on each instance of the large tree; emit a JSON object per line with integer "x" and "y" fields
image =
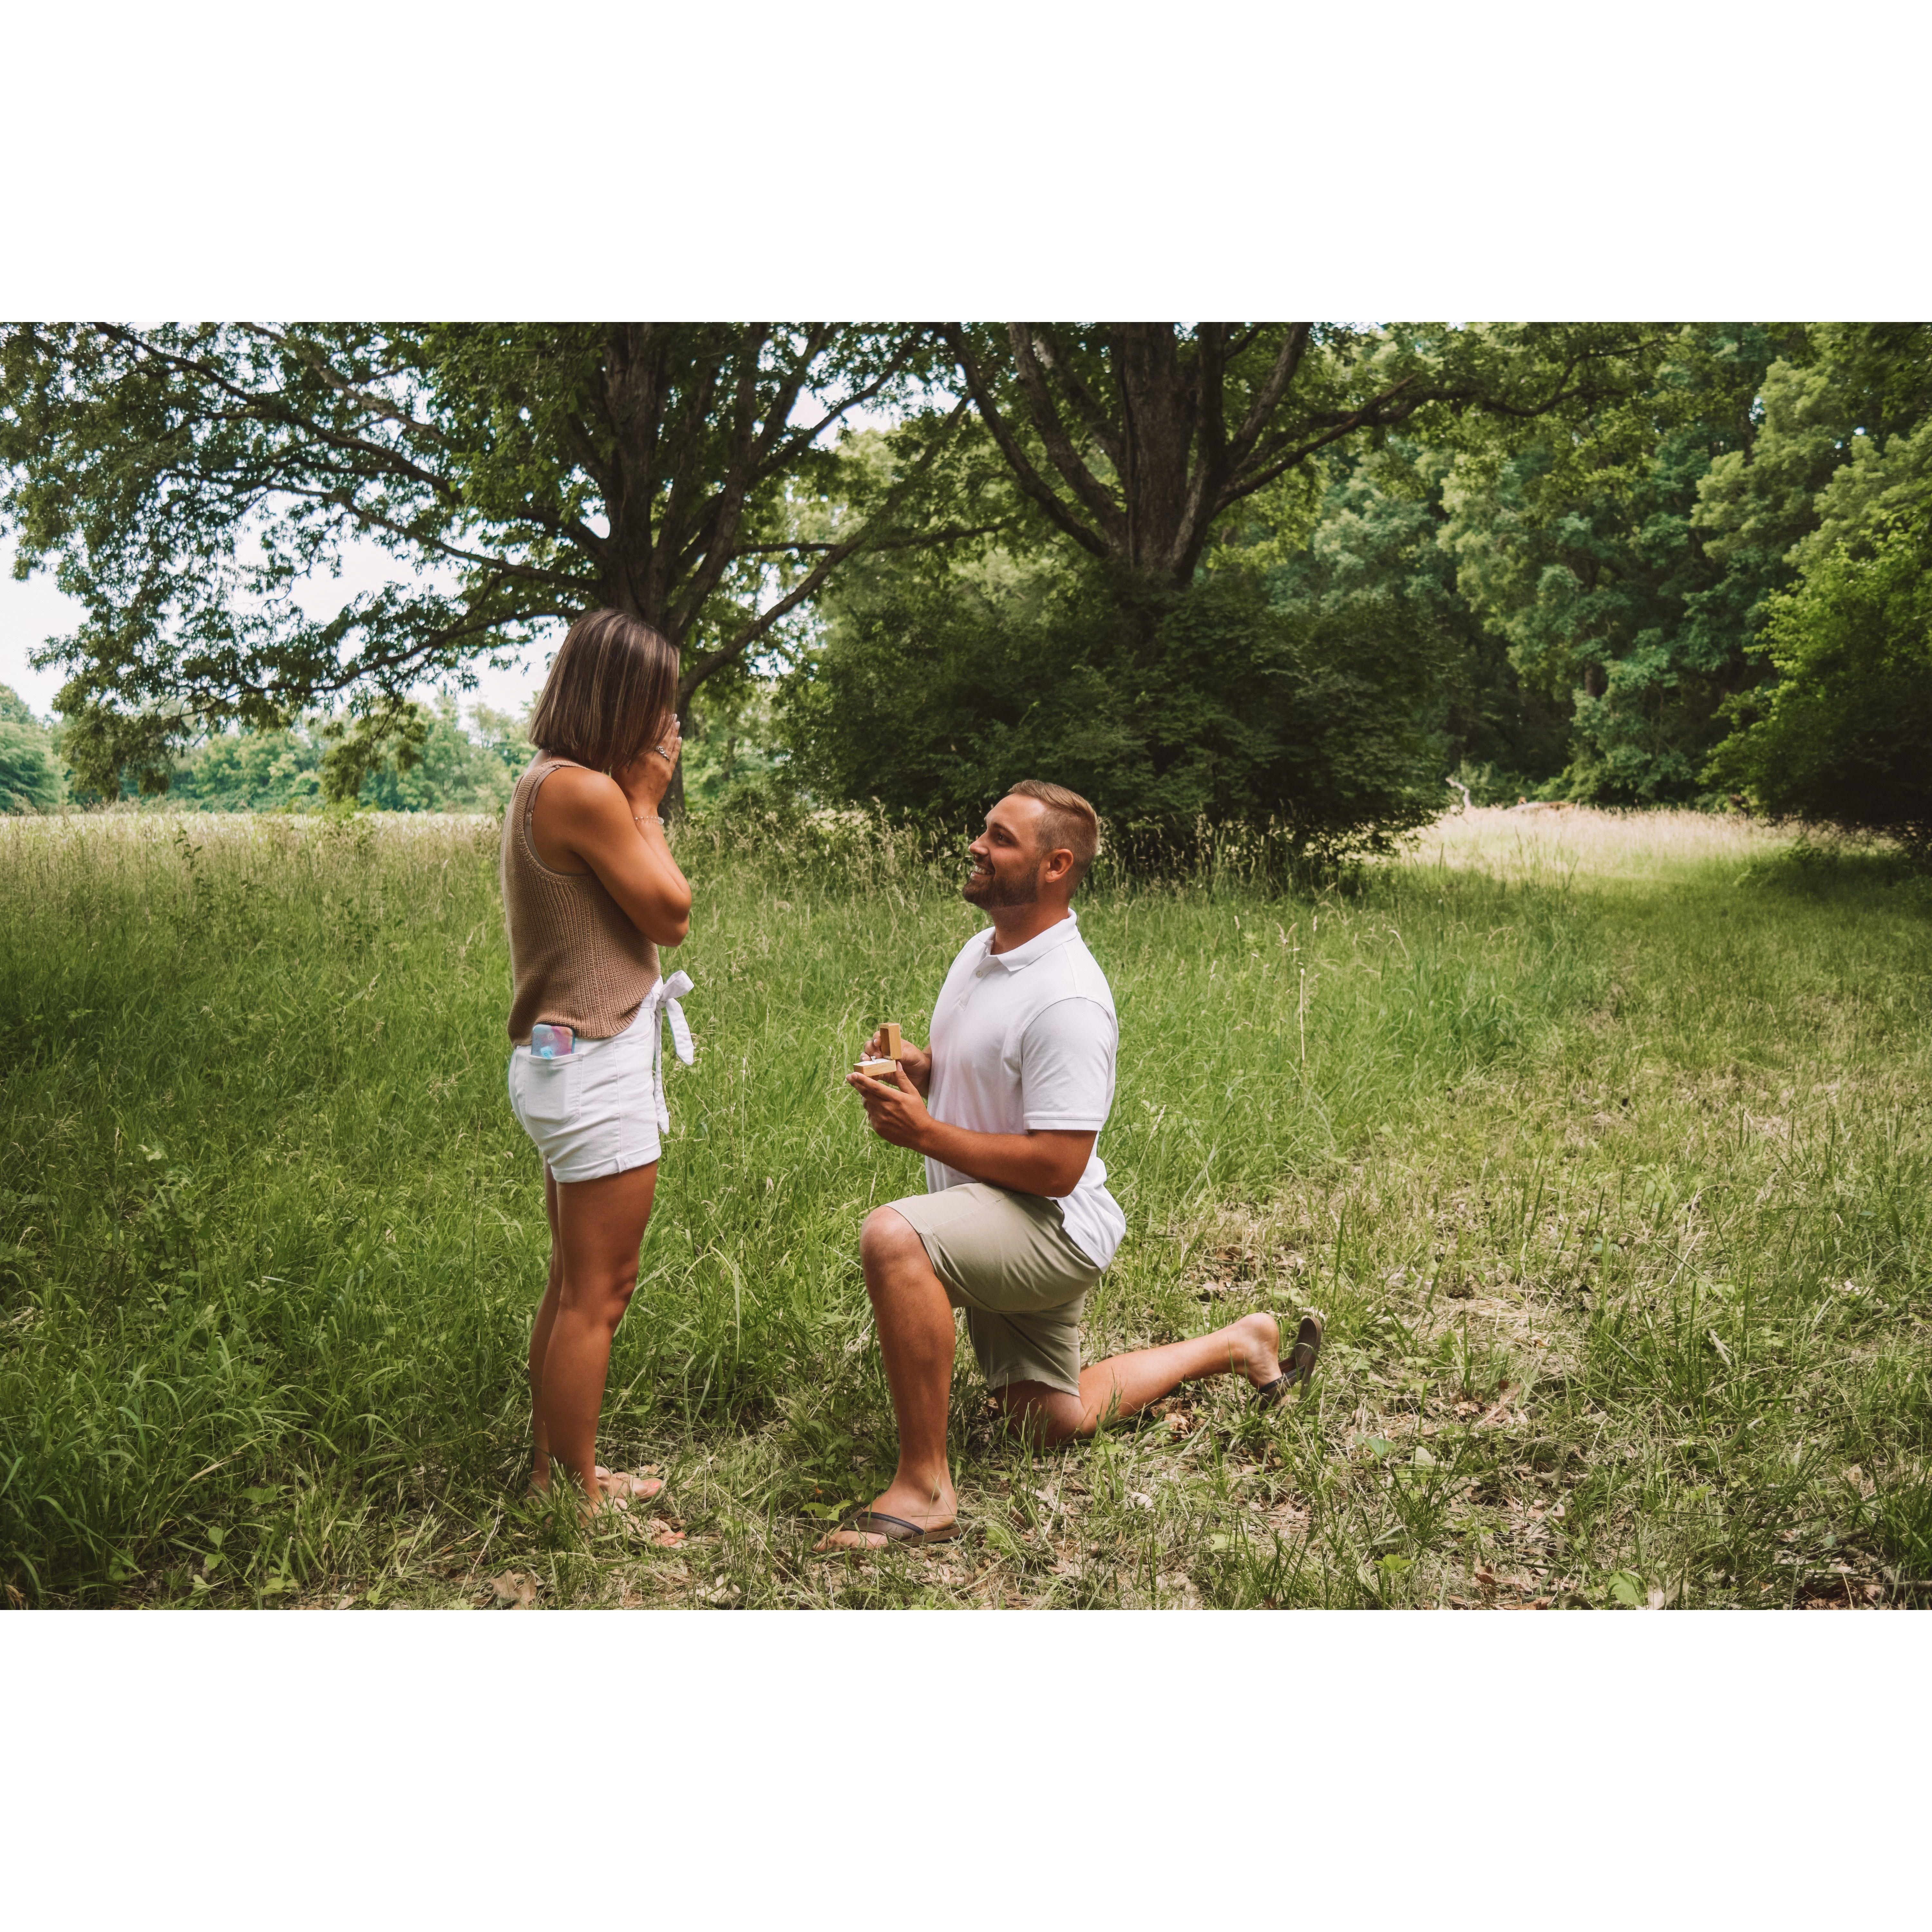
{"x": 1182, "y": 699}
{"x": 187, "y": 482}
{"x": 1134, "y": 438}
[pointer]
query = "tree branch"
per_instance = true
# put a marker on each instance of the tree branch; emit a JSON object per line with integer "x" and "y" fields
{"x": 952, "y": 533}
{"x": 1088, "y": 405}
{"x": 805, "y": 438}
{"x": 864, "y": 538}
{"x": 268, "y": 410}
{"x": 1273, "y": 389}
{"x": 273, "y": 411}
{"x": 1060, "y": 449}
{"x": 1029, "y": 478}
{"x": 373, "y": 519}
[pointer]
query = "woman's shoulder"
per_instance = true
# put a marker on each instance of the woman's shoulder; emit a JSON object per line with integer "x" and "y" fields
{"x": 571, "y": 785}
{"x": 572, "y": 813}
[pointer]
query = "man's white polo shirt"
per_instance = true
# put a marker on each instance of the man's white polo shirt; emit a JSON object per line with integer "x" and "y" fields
{"x": 1023, "y": 1040}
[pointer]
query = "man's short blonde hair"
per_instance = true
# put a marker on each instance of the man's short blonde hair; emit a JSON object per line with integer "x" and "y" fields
{"x": 1067, "y": 821}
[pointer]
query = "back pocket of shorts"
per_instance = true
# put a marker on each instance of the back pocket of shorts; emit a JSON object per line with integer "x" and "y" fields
{"x": 546, "y": 1090}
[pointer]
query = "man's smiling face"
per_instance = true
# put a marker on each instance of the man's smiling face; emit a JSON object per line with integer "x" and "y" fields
{"x": 1006, "y": 857}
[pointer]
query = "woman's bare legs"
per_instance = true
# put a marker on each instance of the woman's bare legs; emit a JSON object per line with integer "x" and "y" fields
{"x": 597, "y": 1228}
{"x": 540, "y": 1336}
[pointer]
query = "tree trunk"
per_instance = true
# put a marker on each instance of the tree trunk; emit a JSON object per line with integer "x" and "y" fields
{"x": 1159, "y": 408}
{"x": 672, "y": 806}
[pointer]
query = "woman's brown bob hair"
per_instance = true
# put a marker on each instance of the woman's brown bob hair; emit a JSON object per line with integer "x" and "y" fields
{"x": 612, "y": 687}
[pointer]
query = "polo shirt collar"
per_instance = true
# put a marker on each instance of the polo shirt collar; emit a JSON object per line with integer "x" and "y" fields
{"x": 1037, "y": 947}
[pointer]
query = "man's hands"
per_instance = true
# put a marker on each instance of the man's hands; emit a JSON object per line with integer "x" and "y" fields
{"x": 918, "y": 1065}
{"x": 894, "y": 1105}
{"x": 1046, "y": 1161}
{"x": 896, "y": 1102}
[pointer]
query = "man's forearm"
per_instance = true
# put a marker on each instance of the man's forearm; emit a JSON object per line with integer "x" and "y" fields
{"x": 1049, "y": 1164}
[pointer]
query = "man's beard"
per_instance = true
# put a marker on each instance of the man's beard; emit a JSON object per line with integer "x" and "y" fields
{"x": 989, "y": 891}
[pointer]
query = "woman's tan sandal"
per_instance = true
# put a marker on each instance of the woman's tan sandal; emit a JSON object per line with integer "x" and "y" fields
{"x": 1297, "y": 1366}
{"x": 894, "y": 1529}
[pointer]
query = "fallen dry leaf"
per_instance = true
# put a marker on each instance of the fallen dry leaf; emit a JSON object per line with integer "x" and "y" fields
{"x": 1496, "y": 1408}
{"x": 514, "y": 1590}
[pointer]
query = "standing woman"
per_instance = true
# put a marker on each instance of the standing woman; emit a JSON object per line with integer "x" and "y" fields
{"x": 590, "y": 893}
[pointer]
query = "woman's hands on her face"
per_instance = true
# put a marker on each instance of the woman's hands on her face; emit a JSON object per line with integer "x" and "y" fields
{"x": 646, "y": 779}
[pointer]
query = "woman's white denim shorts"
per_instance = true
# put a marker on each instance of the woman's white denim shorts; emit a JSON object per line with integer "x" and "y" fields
{"x": 599, "y": 1110}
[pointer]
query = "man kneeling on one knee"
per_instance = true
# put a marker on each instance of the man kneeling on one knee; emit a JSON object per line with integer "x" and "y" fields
{"x": 1016, "y": 1224}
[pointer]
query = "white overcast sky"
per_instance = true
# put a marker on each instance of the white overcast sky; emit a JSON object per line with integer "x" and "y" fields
{"x": 29, "y": 613}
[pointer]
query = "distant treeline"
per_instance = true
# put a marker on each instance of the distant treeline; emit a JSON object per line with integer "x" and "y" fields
{"x": 468, "y": 760}
{"x": 460, "y": 767}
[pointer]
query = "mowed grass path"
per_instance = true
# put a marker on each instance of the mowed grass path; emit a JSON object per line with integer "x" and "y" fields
{"x": 1599, "y": 1142}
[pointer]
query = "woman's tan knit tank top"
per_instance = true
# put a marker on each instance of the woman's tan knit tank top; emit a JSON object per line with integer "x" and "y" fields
{"x": 575, "y": 959}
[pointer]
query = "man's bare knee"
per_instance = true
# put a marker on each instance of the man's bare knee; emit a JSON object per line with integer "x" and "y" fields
{"x": 1049, "y": 1416}
{"x": 888, "y": 1238}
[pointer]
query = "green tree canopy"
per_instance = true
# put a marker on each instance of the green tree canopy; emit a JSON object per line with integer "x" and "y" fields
{"x": 1375, "y": 557}
{"x": 1214, "y": 707}
{"x": 1132, "y": 440}
{"x": 1135, "y": 648}
{"x": 1588, "y": 559}
{"x": 184, "y": 481}
{"x": 1844, "y": 735}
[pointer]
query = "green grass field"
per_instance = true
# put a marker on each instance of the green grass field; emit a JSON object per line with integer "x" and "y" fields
{"x": 1599, "y": 1142}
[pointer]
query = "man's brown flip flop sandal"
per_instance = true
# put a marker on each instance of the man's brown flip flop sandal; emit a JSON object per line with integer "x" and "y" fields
{"x": 1297, "y": 1366}
{"x": 893, "y": 1529}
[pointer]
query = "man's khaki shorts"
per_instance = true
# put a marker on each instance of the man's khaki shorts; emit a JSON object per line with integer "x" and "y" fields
{"x": 1006, "y": 1259}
